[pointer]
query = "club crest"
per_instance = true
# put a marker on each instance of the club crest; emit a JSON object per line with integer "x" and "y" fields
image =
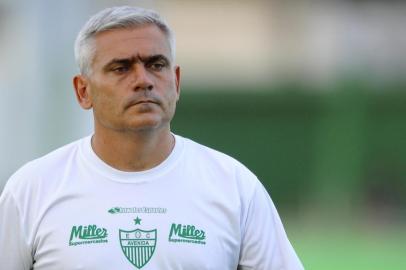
{"x": 138, "y": 246}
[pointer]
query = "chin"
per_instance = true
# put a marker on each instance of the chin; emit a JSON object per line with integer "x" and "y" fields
{"x": 146, "y": 125}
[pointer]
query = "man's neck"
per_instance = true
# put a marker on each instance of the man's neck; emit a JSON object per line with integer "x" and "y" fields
{"x": 133, "y": 151}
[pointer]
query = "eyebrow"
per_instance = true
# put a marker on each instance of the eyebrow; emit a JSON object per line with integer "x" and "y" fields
{"x": 132, "y": 60}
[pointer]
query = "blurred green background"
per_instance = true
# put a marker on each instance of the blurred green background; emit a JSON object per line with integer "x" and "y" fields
{"x": 308, "y": 94}
{"x": 334, "y": 163}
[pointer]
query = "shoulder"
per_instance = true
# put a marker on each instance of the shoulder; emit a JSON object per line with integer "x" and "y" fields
{"x": 55, "y": 158}
{"x": 211, "y": 156}
{"x": 30, "y": 175}
{"x": 211, "y": 161}
{"x": 207, "y": 152}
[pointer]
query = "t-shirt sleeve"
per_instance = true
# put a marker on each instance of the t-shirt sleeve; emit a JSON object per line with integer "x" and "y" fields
{"x": 14, "y": 251}
{"x": 265, "y": 245}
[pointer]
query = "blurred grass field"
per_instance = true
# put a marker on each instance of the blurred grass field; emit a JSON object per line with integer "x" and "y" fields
{"x": 350, "y": 247}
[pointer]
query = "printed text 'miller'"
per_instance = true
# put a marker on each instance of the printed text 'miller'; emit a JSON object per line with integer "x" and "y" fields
{"x": 88, "y": 232}
{"x": 186, "y": 232}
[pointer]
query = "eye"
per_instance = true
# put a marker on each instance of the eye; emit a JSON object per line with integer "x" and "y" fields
{"x": 120, "y": 69}
{"x": 157, "y": 66}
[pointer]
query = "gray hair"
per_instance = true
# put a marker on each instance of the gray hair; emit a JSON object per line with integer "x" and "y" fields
{"x": 124, "y": 17}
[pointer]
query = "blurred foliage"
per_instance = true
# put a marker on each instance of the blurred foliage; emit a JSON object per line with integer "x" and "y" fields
{"x": 341, "y": 149}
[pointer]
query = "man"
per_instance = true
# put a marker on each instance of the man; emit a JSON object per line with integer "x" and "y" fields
{"x": 134, "y": 195}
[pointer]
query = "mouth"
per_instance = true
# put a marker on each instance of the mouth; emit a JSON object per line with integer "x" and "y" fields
{"x": 145, "y": 102}
{"x": 142, "y": 102}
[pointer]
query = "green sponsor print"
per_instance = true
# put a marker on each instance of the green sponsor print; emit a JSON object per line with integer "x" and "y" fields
{"x": 186, "y": 234}
{"x": 90, "y": 234}
{"x": 135, "y": 210}
{"x": 138, "y": 246}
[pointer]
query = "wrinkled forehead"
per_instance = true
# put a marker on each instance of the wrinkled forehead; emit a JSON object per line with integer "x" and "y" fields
{"x": 142, "y": 41}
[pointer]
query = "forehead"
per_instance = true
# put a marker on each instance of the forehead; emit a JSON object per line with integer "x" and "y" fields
{"x": 124, "y": 43}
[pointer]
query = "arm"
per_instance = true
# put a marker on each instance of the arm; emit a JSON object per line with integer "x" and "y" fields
{"x": 14, "y": 250}
{"x": 265, "y": 245}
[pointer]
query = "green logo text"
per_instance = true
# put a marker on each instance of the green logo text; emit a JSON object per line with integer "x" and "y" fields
{"x": 90, "y": 234}
{"x": 186, "y": 234}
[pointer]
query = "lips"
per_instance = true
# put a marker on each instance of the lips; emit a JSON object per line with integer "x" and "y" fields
{"x": 144, "y": 101}
{"x": 141, "y": 101}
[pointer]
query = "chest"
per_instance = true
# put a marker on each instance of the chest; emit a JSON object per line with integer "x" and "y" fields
{"x": 128, "y": 229}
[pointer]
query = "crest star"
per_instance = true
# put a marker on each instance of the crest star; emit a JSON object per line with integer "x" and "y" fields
{"x": 137, "y": 221}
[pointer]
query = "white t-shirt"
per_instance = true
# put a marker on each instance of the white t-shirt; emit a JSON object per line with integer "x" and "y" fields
{"x": 199, "y": 209}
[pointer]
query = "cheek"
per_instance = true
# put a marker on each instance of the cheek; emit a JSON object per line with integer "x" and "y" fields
{"x": 105, "y": 103}
{"x": 171, "y": 96}
{"x": 172, "y": 103}
{"x": 171, "y": 90}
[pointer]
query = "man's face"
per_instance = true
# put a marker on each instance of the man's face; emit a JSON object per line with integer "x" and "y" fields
{"x": 133, "y": 84}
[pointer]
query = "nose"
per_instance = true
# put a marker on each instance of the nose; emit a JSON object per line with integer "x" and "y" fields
{"x": 142, "y": 78}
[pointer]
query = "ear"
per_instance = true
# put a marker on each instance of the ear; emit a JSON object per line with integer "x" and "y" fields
{"x": 177, "y": 80}
{"x": 82, "y": 91}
